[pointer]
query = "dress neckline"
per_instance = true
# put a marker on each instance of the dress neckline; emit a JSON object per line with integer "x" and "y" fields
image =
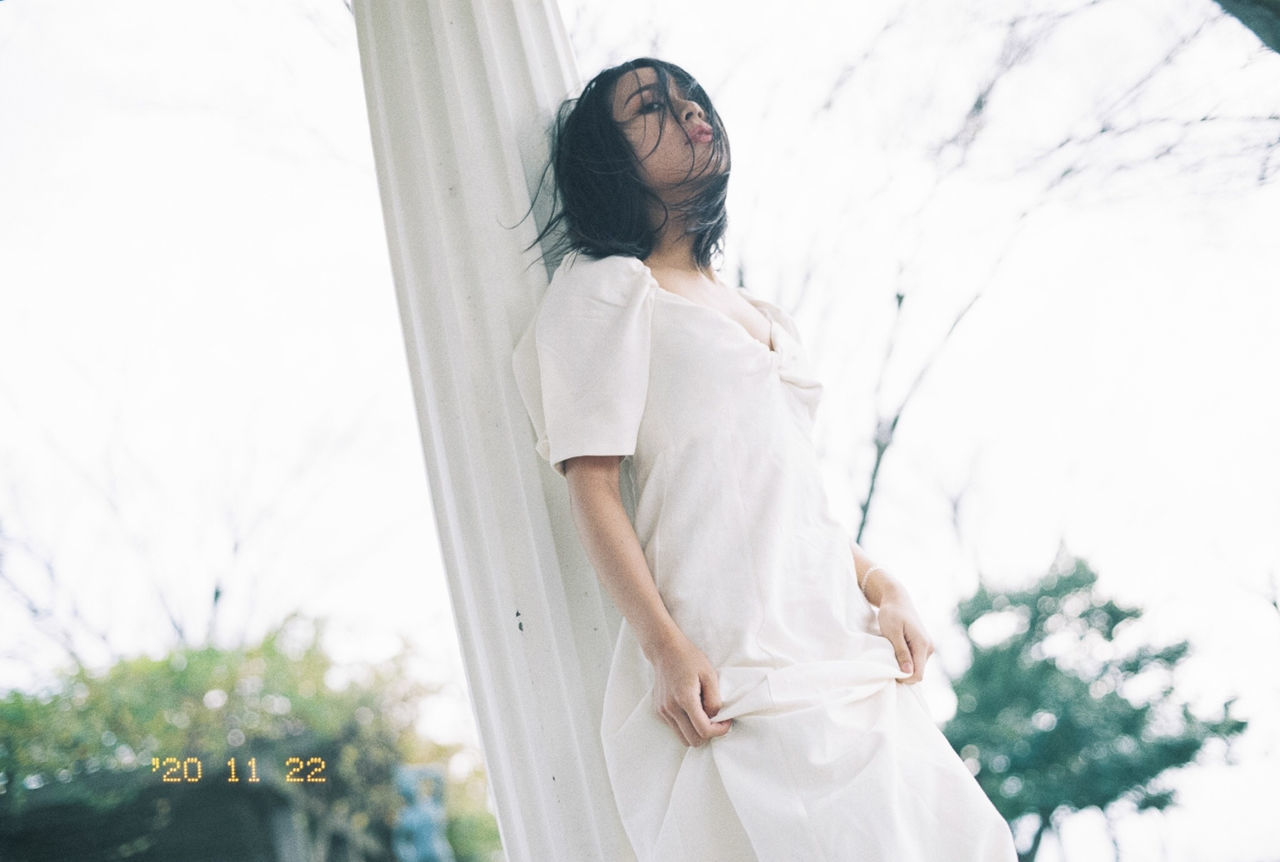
{"x": 771, "y": 347}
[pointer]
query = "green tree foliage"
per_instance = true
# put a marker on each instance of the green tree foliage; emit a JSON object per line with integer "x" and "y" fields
{"x": 1260, "y": 16}
{"x": 100, "y": 740}
{"x": 1059, "y": 712}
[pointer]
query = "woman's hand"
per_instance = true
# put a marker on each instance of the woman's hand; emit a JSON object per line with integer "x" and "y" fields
{"x": 900, "y": 623}
{"x": 686, "y": 691}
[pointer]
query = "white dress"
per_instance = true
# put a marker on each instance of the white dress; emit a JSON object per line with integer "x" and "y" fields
{"x": 829, "y": 757}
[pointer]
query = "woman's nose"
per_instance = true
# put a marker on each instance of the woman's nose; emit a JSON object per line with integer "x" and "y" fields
{"x": 690, "y": 110}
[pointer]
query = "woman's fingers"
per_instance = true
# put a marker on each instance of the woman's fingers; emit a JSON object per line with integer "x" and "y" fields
{"x": 915, "y": 665}
{"x": 686, "y": 693}
{"x": 900, "y": 624}
{"x": 920, "y": 648}
{"x": 711, "y": 703}
{"x": 672, "y": 717}
{"x": 685, "y": 728}
{"x": 691, "y": 722}
{"x": 710, "y": 700}
{"x": 676, "y": 719}
{"x": 901, "y": 651}
{"x": 704, "y": 727}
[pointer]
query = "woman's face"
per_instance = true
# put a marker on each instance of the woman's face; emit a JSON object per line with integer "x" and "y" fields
{"x": 670, "y": 155}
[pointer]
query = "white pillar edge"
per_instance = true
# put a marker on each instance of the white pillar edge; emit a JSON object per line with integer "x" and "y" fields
{"x": 460, "y": 95}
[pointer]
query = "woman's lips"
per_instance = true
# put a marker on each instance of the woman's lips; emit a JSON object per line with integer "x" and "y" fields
{"x": 701, "y": 134}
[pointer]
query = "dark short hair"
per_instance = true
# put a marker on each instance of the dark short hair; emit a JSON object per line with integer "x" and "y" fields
{"x": 601, "y": 206}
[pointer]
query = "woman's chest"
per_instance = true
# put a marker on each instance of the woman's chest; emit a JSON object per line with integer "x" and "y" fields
{"x": 706, "y": 368}
{"x": 706, "y": 296}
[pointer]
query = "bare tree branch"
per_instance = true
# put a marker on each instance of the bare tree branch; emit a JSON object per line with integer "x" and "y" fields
{"x": 850, "y": 69}
{"x": 1023, "y": 35}
{"x": 1077, "y": 155}
{"x": 42, "y": 614}
{"x": 1078, "y": 150}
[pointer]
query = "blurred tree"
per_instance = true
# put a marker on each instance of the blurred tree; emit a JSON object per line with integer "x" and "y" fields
{"x": 1055, "y": 715}
{"x": 101, "y": 740}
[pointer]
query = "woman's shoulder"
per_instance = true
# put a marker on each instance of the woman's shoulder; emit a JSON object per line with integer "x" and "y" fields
{"x": 605, "y": 300}
{"x": 617, "y": 278}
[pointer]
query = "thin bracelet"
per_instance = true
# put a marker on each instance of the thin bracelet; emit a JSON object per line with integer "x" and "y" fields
{"x": 862, "y": 582}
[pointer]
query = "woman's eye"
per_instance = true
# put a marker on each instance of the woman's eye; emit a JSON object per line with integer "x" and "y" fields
{"x": 652, "y": 107}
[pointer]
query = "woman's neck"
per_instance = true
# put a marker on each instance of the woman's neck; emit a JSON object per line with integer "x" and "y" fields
{"x": 673, "y": 250}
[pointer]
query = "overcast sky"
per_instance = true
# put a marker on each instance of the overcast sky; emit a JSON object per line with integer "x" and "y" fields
{"x": 202, "y": 381}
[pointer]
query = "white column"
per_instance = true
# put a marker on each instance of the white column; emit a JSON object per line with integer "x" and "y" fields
{"x": 460, "y": 96}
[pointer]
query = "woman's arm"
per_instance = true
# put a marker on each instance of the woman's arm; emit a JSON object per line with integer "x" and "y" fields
{"x": 686, "y": 686}
{"x": 899, "y": 621}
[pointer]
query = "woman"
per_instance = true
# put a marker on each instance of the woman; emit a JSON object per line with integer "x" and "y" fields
{"x": 759, "y": 702}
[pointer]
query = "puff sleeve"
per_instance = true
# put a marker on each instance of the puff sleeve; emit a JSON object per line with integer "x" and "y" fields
{"x": 582, "y": 365}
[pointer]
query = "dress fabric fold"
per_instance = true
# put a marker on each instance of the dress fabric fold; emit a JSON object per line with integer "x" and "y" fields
{"x": 830, "y": 757}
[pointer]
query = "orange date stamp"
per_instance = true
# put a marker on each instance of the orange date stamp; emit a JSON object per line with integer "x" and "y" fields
{"x": 190, "y": 770}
